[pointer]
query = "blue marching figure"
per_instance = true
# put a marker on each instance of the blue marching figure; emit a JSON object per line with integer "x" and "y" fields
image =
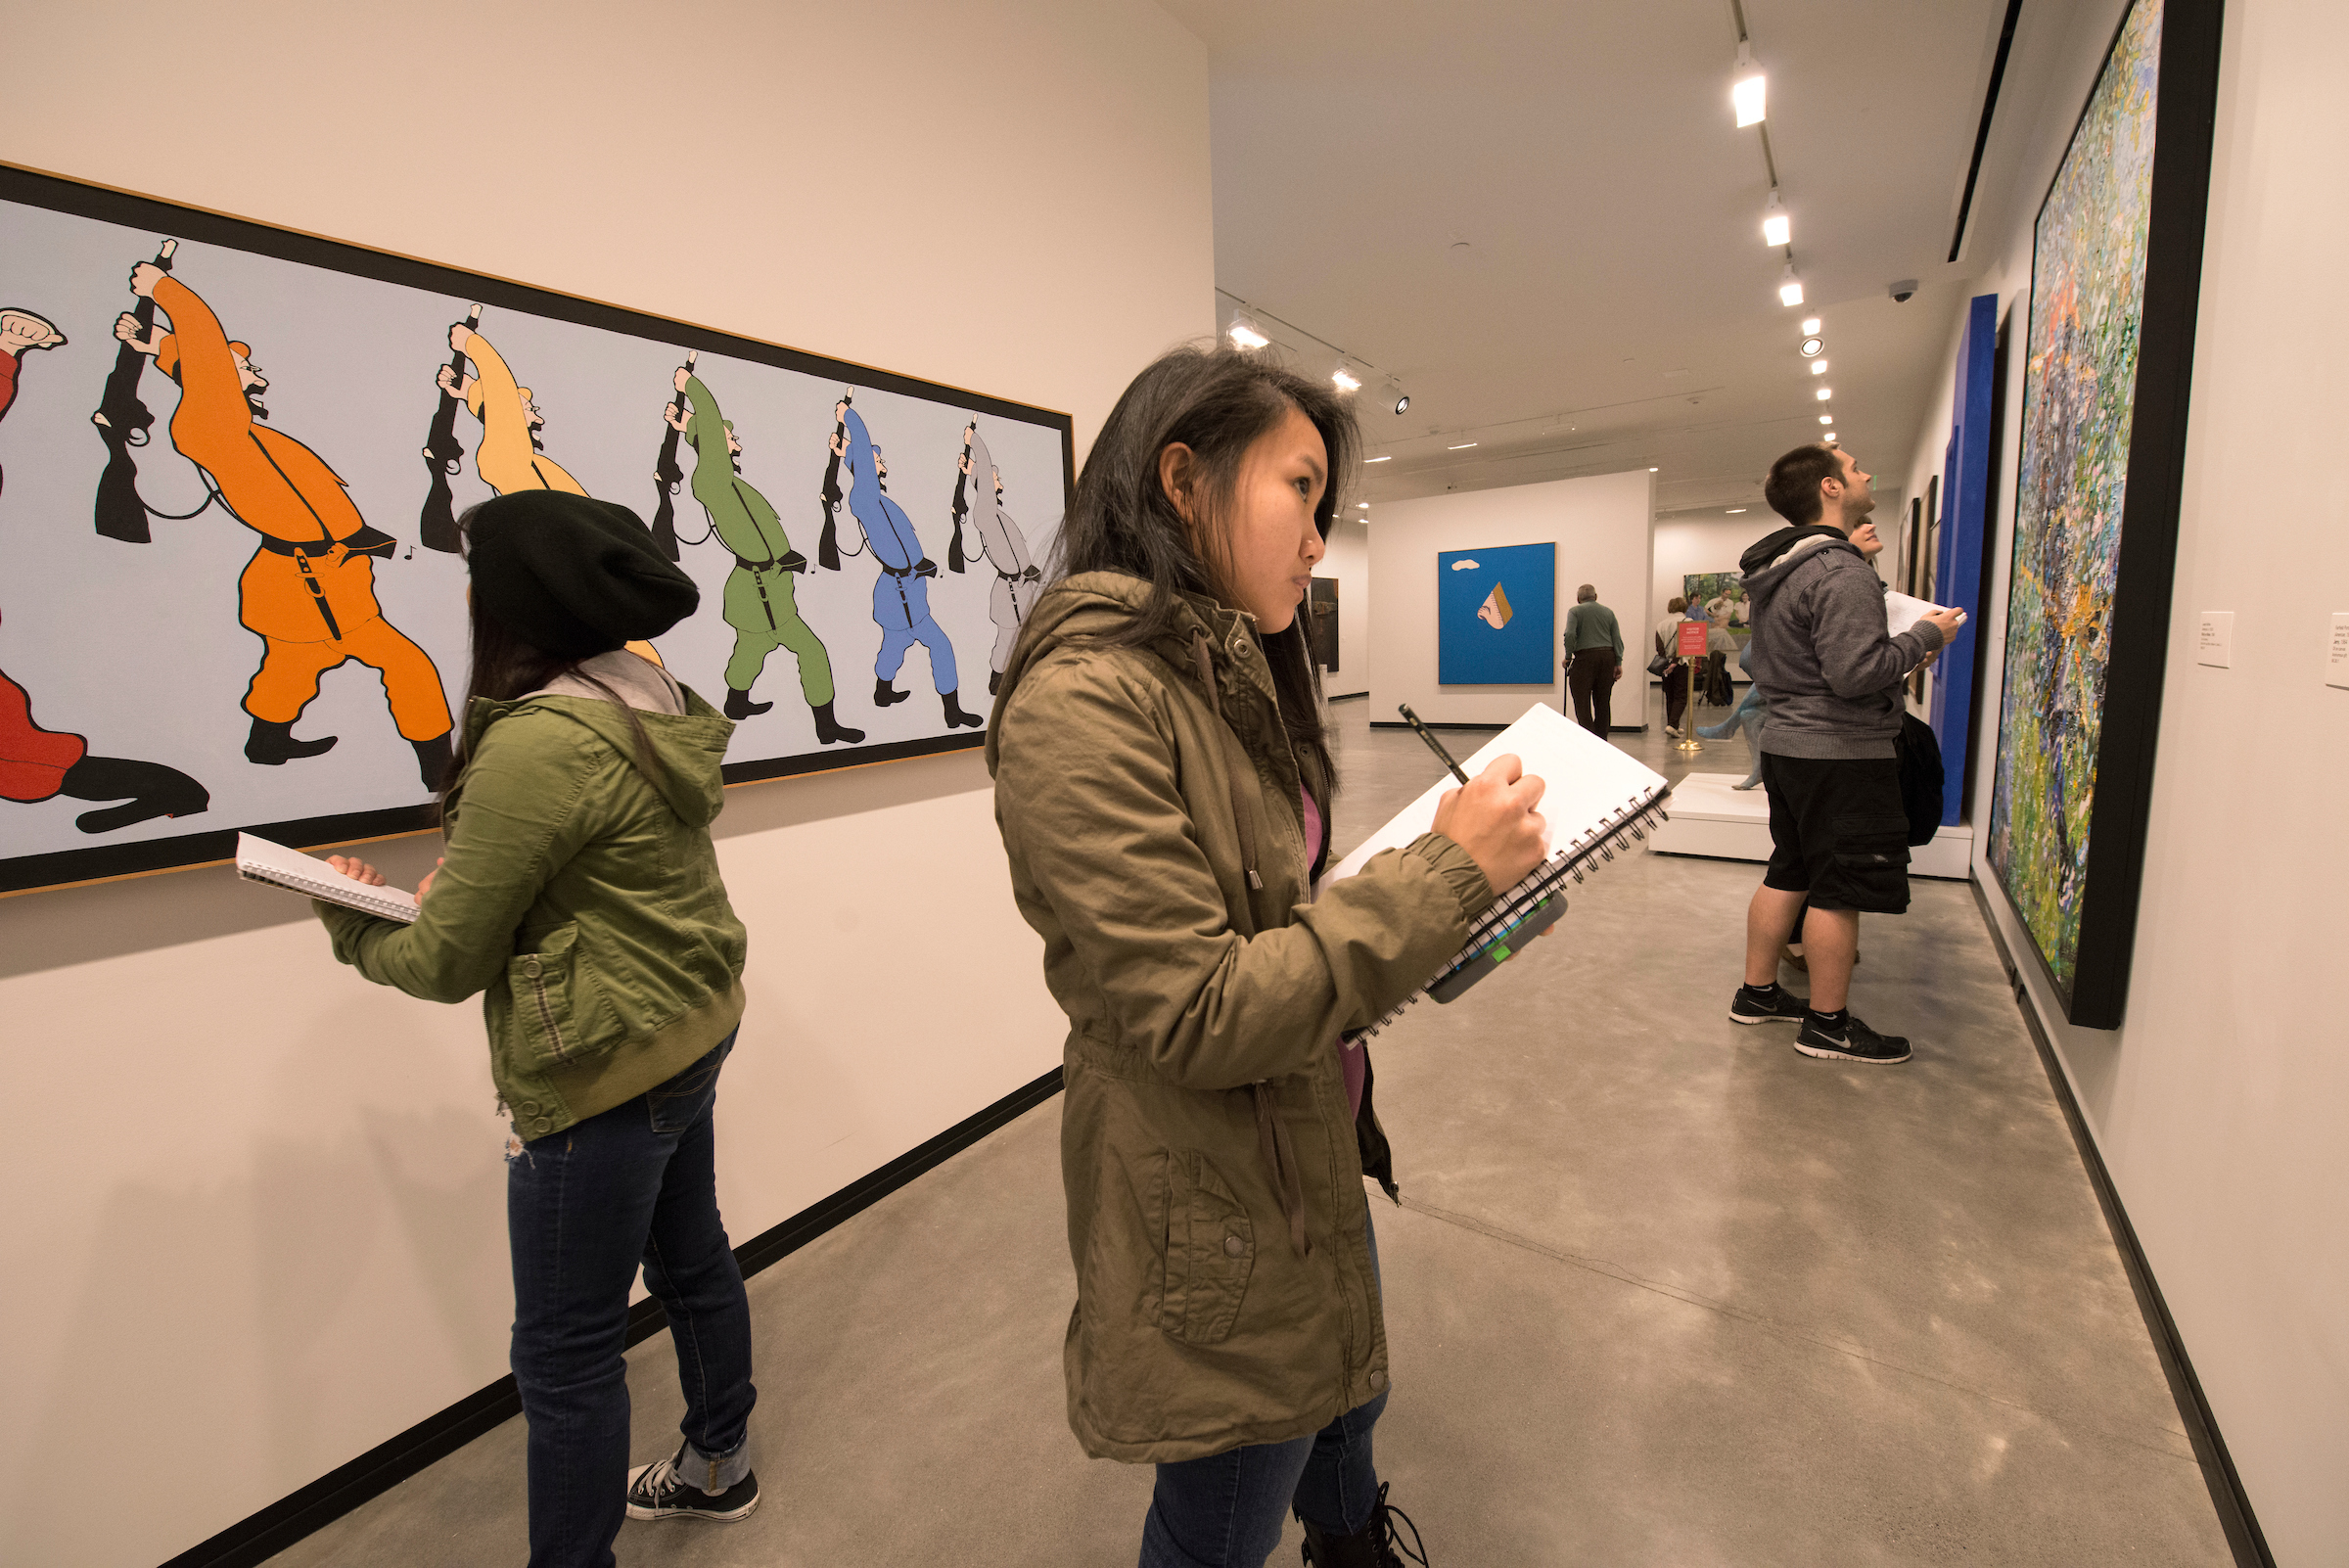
{"x": 901, "y": 592}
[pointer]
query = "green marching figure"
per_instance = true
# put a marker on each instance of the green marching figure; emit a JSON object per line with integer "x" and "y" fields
{"x": 759, "y": 603}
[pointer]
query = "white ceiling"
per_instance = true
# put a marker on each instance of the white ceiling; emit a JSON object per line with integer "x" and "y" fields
{"x": 1615, "y": 306}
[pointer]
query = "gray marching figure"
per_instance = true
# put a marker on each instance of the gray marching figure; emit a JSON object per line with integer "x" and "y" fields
{"x": 978, "y": 497}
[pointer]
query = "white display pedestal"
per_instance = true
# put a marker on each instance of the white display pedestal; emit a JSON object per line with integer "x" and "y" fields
{"x": 1710, "y": 818}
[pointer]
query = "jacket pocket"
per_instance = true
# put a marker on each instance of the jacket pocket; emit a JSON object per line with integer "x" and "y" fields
{"x": 1871, "y": 863}
{"x": 563, "y": 1012}
{"x": 1211, "y": 1246}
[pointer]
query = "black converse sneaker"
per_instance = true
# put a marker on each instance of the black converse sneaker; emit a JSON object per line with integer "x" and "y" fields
{"x": 1772, "y": 1003}
{"x": 1849, "y": 1040}
{"x": 657, "y": 1492}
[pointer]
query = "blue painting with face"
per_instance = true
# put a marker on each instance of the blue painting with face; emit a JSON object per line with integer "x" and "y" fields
{"x": 1496, "y": 615}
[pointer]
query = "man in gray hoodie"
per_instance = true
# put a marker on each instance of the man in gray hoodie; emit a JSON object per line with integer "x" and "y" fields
{"x": 1839, "y": 835}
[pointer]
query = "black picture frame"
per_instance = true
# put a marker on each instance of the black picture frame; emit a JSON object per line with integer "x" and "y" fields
{"x": 99, "y": 862}
{"x": 2185, "y": 116}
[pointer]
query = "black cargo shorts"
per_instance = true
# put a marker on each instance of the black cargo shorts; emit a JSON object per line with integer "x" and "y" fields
{"x": 1838, "y": 831}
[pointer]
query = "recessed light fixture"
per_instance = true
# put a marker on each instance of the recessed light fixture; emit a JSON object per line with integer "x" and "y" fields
{"x": 1734, "y": 510}
{"x": 1463, "y": 446}
{"x": 1776, "y": 227}
{"x": 1362, "y": 505}
{"x": 1824, "y": 394}
{"x": 1388, "y": 458}
{"x": 1651, "y": 471}
{"x": 1748, "y": 88}
{"x": 1811, "y": 327}
{"x": 1814, "y": 347}
{"x": 1790, "y": 287}
{"x": 1828, "y": 436}
{"x": 1826, "y": 419}
{"x": 1819, "y": 367}
{"x": 1243, "y": 331}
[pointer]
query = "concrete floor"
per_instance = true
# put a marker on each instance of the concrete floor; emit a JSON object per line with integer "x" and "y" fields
{"x": 1661, "y": 1291}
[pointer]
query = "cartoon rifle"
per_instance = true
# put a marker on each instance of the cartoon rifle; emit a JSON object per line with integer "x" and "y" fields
{"x": 122, "y": 422}
{"x": 443, "y": 458}
{"x": 962, "y": 506}
{"x": 667, "y": 476}
{"x": 827, "y": 549}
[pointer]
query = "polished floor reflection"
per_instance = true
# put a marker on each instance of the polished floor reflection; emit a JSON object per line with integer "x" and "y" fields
{"x": 1661, "y": 1291}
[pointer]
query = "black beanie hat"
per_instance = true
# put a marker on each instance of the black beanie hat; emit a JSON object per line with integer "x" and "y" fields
{"x": 571, "y": 574}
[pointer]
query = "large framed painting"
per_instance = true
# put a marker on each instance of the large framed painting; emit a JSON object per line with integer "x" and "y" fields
{"x": 232, "y": 464}
{"x": 1496, "y": 615}
{"x": 2116, "y": 268}
{"x": 1720, "y": 596}
{"x": 1959, "y": 564}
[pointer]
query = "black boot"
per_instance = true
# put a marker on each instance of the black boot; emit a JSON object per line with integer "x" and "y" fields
{"x": 955, "y": 716}
{"x": 739, "y": 705}
{"x": 994, "y": 682}
{"x": 829, "y": 729}
{"x": 431, "y": 762}
{"x": 146, "y": 790}
{"x": 271, "y": 744}
{"x": 1377, "y": 1545}
{"x": 884, "y": 694}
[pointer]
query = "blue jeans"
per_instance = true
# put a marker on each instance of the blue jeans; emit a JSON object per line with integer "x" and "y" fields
{"x": 584, "y": 1207}
{"x": 1226, "y": 1510}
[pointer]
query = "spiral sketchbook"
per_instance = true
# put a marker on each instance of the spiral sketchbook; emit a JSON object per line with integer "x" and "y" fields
{"x": 260, "y": 860}
{"x": 1597, "y": 801}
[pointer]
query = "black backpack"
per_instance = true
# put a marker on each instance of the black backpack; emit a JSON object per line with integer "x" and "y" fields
{"x": 1919, "y": 755}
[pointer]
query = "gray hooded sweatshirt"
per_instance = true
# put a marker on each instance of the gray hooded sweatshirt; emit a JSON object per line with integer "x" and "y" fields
{"x": 1820, "y": 652}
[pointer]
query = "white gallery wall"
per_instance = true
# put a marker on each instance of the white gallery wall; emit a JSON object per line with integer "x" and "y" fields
{"x": 266, "y": 1198}
{"x": 1348, "y": 561}
{"x": 2220, "y": 1105}
{"x": 1600, "y": 526}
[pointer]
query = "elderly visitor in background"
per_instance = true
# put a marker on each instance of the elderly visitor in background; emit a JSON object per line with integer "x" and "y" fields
{"x": 1593, "y": 660}
{"x": 1673, "y": 670}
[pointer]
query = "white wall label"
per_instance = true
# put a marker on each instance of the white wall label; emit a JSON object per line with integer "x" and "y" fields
{"x": 2216, "y": 644}
{"x": 2336, "y": 652}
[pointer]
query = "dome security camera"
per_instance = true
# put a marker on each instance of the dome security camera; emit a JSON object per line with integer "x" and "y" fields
{"x": 1902, "y": 291}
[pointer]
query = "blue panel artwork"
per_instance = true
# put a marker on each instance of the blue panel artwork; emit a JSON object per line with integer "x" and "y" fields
{"x": 1496, "y": 615}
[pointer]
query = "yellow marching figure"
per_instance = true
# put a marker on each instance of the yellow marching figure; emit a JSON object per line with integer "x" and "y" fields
{"x": 508, "y": 457}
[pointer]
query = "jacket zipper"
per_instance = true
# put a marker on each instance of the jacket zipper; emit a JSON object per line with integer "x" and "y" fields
{"x": 546, "y": 1015}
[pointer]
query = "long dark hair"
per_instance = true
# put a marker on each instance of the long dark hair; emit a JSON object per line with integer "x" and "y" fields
{"x": 504, "y": 666}
{"x": 1217, "y": 401}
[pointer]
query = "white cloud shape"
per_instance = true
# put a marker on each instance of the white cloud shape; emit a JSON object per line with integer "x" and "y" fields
{"x": 1467, "y": 566}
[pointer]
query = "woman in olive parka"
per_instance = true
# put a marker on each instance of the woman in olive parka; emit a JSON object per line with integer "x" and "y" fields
{"x": 1163, "y": 783}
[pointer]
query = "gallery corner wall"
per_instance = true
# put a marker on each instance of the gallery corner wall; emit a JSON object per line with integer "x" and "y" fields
{"x": 1600, "y": 526}
{"x": 1348, "y": 561}
{"x": 269, "y": 1206}
{"x": 2218, "y": 1104}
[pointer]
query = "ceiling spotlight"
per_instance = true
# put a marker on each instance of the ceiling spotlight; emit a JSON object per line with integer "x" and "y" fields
{"x": 1463, "y": 446}
{"x": 1748, "y": 87}
{"x": 1811, "y": 327}
{"x": 1403, "y": 404}
{"x": 1734, "y": 510}
{"x": 1826, "y": 419}
{"x": 1345, "y": 382}
{"x": 1363, "y": 506}
{"x": 1400, "y": 399}
{"x": 1828, "y": 436}
{"x": 1819, "y": 367}
{"x": 1776, "y": 227}
{"x": 1651, "y": 471}
{"x": 1814, "y": 345}
{"x": 1388, "y": 458}
{"x": 1824, "y": 394}
{"x": 1243, "y": 331}
{"x": 1790, "y": 287}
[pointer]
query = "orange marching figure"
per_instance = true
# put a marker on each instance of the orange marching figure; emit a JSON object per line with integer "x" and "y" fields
{"x": 308, "y": 593}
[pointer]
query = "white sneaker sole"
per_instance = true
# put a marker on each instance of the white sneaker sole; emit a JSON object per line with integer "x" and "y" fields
{"x": 1736, "y": 1017}
{"x": 711, "y": 1514}
{"x": 1827, "y": 1053}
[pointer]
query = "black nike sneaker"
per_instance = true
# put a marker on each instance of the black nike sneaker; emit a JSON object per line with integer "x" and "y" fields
{"x": 1772, "y": 1003}
{"x": 1850, "y": 1041}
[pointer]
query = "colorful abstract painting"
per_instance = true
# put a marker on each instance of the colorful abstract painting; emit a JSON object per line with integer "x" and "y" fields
{"x": 2088, "y": 297}
{"x": 1496, "y": 615}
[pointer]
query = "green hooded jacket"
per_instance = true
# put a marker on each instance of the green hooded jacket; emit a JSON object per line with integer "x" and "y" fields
{"x": 580, "y": 898}
{"x": 1211, "y": 1164}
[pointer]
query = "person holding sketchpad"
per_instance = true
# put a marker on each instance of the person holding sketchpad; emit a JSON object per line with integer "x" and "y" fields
{"x": 1163, "y": 784}
{"x": 1838, "y": 826}
{"x": 580, "y": 898}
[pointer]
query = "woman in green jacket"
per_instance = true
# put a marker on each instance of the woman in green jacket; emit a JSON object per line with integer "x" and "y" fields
{"x": 1163, "y": 784}
{"x": 580, "y": 898}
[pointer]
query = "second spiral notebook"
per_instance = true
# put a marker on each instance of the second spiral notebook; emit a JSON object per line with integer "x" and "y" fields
{"x": 1597, "y": 801}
